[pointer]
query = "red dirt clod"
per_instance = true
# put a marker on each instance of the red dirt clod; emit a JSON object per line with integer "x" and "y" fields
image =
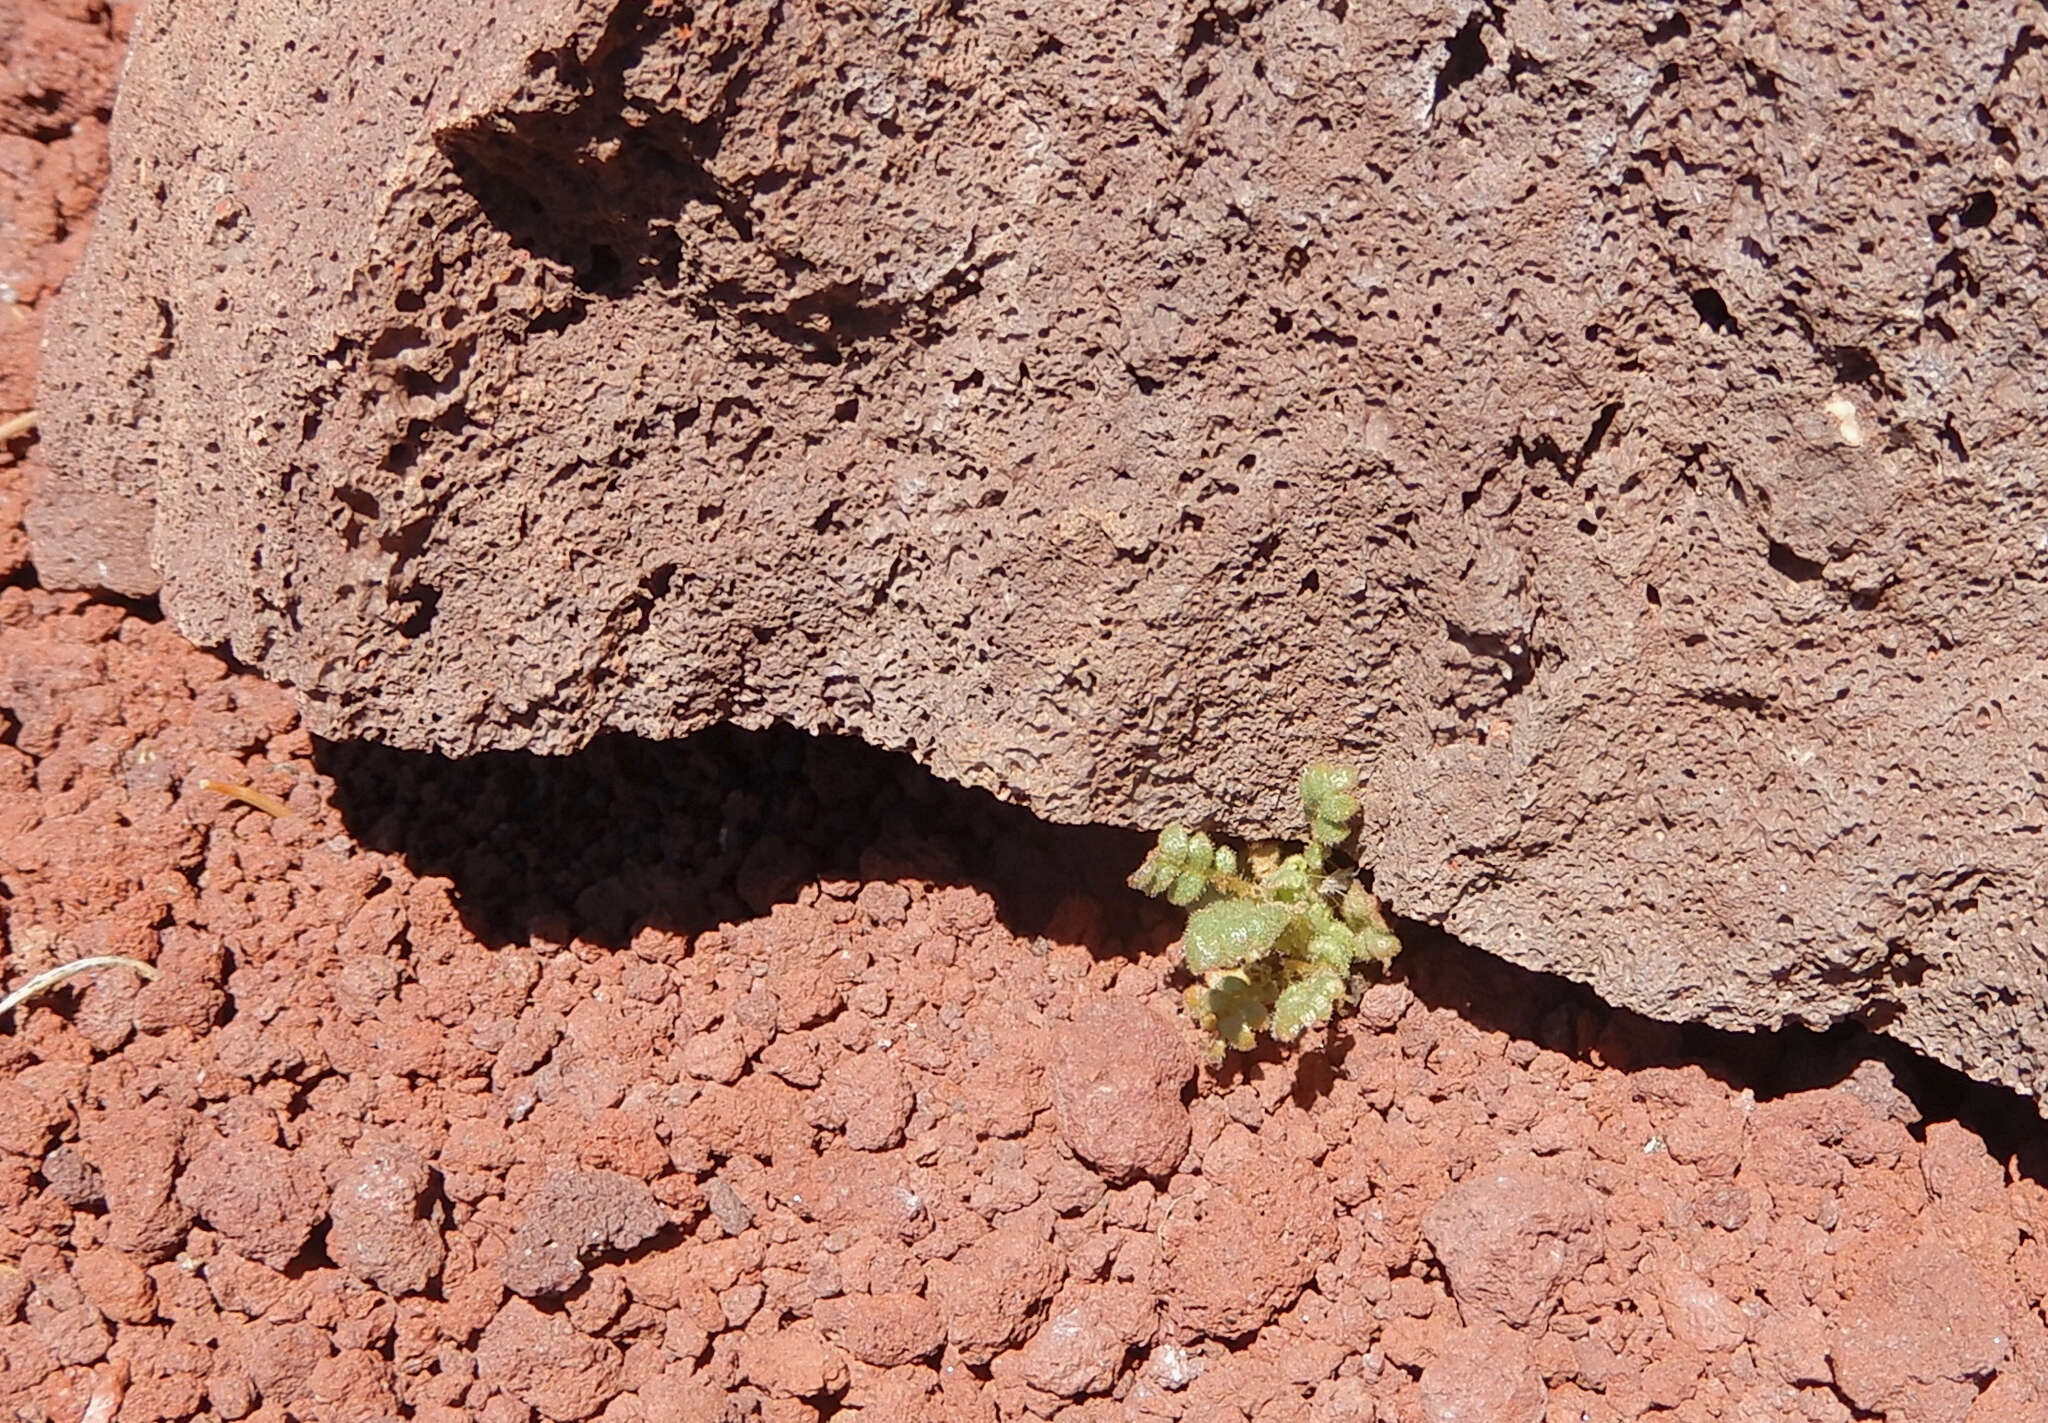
{"x": 574, "y": 1216}
{"x": 262, "y": 1199}
{"x": 1081, "y": 1346}
{"x": 795, "y": 1361}
{"x": 544, "y": 1362}
{"x": 867, "y": 1097}
{"x": 1510, "y": 1241}
{"x": 136, "y": 1153}
{"x": 1116, "y": 1073}
{"x": 884, "y": 1330}
{"x": 1484, "y": 1375}
{"x": 116, "y": 1285}
{"x": 995, "y": 1291}
{"x": 1919, "y": 1327}
{"x": 377, "y": 1231}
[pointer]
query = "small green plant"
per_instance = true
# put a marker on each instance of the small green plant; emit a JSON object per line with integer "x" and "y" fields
{"x": 1274, "y": 935}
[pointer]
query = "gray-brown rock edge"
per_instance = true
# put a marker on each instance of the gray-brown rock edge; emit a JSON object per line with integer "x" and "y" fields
{"x": 1616, "y": 430}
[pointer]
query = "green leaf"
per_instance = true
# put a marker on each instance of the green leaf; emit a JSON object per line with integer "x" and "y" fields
{"x": 1306, "y": 1002}
{"x": 1152, "y": 877}
{"x": 1377, "y": 946}
{"x": 1225, "y": 934}
{"x": 1236, "y": 1011}
{"x": 1327, "y": 788}
{"x": 1328, "y": 802}
{"x": 1333, "y": 831}
{"x": 1187, "y": 887}
{"x": 1377, "y": 942}
{"x": 1335, "y": 946}
{"x": 1226, "y": 861}
{"x": 1292, "y": 881}
{"x": 1325, "y": 779}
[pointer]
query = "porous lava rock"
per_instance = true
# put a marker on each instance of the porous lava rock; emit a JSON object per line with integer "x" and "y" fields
{"x": 1919, "y": 1333}
{"x": 1484, "y": 1376}
{"x": 1615, "y": 427}
{"x": 577, "y": 1215}
{"x": 379, "y": 1228}
{"x": 263, "y": 1199}
{"x": 546, "y": 1363}
{"x": 1246, "y": 1243}
{"x": 1510, "y": 1241}
{"x": 1116, "y": 1074}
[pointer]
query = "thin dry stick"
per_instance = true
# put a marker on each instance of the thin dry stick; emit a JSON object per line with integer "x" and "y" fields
{"x": 50, "y": 978}
{"x": 248, "y": 795}
{"x": 19, "y": 424}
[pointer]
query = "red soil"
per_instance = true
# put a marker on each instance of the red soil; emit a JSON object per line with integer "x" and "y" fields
{"x": 752, "y": 1077}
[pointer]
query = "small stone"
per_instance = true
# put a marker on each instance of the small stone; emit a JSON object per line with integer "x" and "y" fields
{"x": 116, "y": 1286}
{"x": 1510, "y": 1241}
{"x": 715, "y": 1056}
{"x": 883, "y": 903}
{"x": 1080, "y": 1349}
{"x": 1246, "y": 1251}
{"x": 795, "y": 1361}
{"x": 1173, "y": 1368}
{"x": 378, "y": 1229}
{"x": 264, "y": 1200}
{"x": 542, "y": 1360}
{"x": 885, "y": 1330}
{"x": 1700, "y": 1315}
{"x": 575, "y": 1215}
{"x": 1916, "y": 1320}
{"x": 1484, "y": 1375}
{"x": 1958, "y": 1169}
{"x": 732, "y": 1214}
{"x": 1116, "y": 1073}
{"x": 866, "y": 1096}
{"x": 993, "y": 1293}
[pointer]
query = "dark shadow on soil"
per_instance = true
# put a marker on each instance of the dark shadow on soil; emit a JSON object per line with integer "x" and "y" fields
{"x": 1569, "y": 1018}
{"x": 717, "y": 828}
{"x": 721, "y": 826}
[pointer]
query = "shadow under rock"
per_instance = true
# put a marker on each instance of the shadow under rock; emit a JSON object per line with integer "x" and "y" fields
{"x": 717, "y": 828}
{"x": 1569, "y": 1018}
{"x": 721, "y": 826}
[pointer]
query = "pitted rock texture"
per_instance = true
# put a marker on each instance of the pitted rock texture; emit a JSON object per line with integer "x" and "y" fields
{"x": 1616, "y": 428}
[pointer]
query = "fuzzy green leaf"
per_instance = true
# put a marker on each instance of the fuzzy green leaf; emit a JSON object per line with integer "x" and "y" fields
{"x": 1377, "y": 946}
{"x": 1328, "y": 832}
{"x": 1335, "y": 946}
{"x": 1325, "y": 779}
{"x": 1187, "y": 887}
{"x": 1236, "y": 1011}
{"x": 1292, "y": 881}
{"x": 1227, "y": 933}
{"x": 1361, "y": 911}
{"x": 1327, "y": 799}
{"x": 1152, "y": 877}
{"x": 1306, "y": 1002}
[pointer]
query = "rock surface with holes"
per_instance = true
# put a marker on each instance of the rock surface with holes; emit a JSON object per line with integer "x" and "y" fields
{"x": 1614, "y": 428}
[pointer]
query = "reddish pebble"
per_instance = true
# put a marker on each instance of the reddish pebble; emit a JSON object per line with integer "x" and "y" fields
{"x": 263, "y": 1199}
{"x": 1510, "y": 1241}
{"x": 1484, "y": 1375}
{"x": 1116, "y": 1073}
{"x": 378, "y": 1231}
{"x": 545, "y": 1363}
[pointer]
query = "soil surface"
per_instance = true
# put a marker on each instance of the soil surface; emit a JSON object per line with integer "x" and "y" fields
{"x": 765, "y": 1076}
